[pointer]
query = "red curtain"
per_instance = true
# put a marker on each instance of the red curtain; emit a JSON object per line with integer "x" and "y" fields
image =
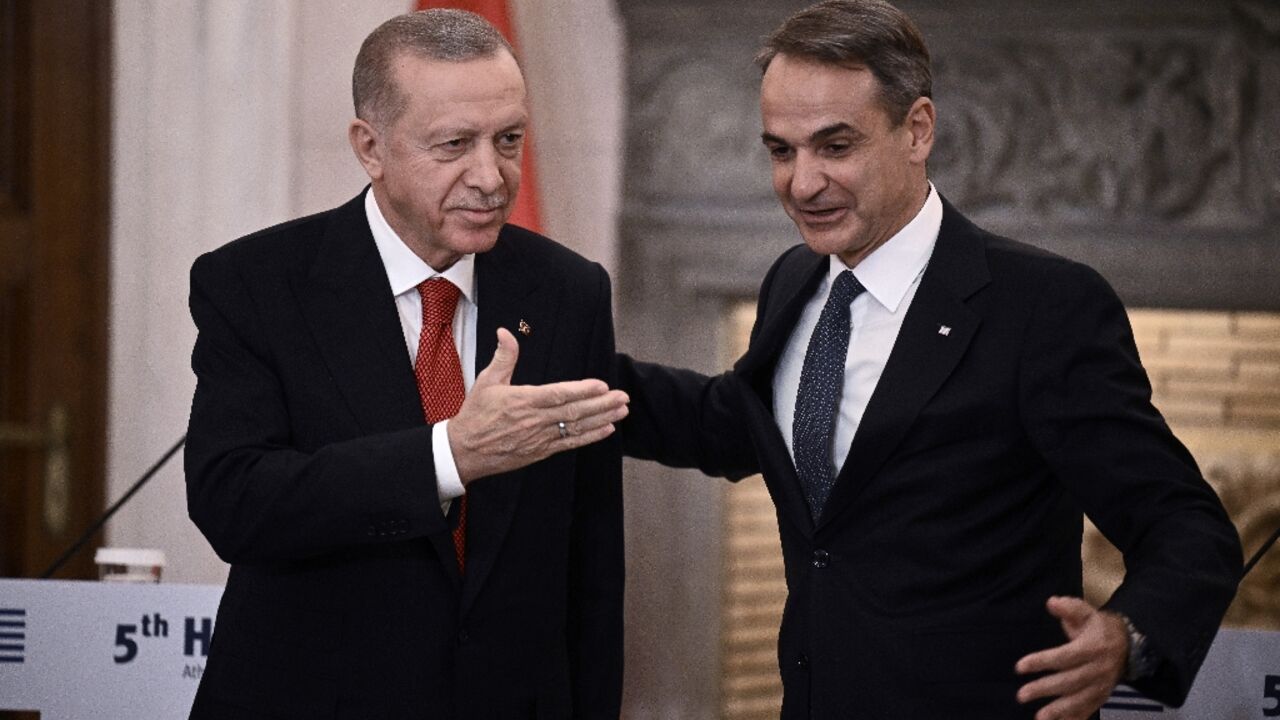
{"x": 525, "y": 213}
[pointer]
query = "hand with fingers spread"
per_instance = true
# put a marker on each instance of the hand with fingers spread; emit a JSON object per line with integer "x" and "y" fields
{"x": 1083, "y": 672}
{"x": 503, "y": 427}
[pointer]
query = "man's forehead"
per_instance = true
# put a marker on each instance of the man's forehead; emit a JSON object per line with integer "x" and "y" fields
{"x": 479, "y": 92}
{"x": 476, "y": 72}
{"x": 805, "y": 96}
{"x": 802, "y": 76}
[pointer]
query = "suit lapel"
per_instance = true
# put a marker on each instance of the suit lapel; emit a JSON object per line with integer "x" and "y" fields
{"x": 935, "y": 334}
{"x": 349, "y": 307}
{"x": 509, "y": 292}
{"x": 797, "y": 279}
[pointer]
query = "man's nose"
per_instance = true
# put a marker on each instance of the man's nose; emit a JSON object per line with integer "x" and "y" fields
{"x": 484, "y": 173}
{"x": 808, "y": 177}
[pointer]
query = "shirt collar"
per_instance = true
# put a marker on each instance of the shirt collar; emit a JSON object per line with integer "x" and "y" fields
{"x": 887, "y": 273}
{"x": 405, "y": 270}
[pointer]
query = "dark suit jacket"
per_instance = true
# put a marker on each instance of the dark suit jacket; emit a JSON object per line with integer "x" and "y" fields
{"x": 310, "y": 469}
{"x": 958, "y": 510}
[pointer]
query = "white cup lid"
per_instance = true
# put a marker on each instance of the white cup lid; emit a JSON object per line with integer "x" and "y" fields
{"x": 129, "y": 556}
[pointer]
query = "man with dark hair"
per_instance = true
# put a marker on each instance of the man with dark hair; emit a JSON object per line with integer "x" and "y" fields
{"x": 410, "y": 538}
{"x": 932, "y": 408}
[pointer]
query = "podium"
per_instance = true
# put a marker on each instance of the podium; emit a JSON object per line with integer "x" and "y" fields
{"x": 74, "y": 650}
{"x": 77, "y": 650}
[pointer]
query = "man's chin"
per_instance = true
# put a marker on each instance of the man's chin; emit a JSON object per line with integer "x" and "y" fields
{"x": 470, "y": 241}
{"x": 827, "y": 242}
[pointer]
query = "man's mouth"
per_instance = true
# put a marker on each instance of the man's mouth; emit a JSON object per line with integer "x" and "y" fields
{"x": 822, "y": 216}
{"x": 483, "y": 212}
{"x": 479, "y": 215}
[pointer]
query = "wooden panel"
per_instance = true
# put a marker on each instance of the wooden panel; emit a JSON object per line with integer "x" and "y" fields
{"x": 15, "y": 135}
{"x": 15, "y": 258}
{"x": 69, "y": 169}
{"x": 754, "y": 587}
{"x": 15, "y": 463}
{"x": 53, "y": 286}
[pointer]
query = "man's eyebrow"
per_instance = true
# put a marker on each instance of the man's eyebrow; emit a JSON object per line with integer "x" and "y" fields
{"x": 826, "y": 132}
{"x": 815, "y": 137}
{"x": 450, "y": 132}
{"x": 521, "y": 124}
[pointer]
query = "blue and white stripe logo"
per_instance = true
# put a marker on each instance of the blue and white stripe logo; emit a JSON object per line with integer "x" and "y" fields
{"x": 13, "y": 635}
{"x": 1125, "y": 699}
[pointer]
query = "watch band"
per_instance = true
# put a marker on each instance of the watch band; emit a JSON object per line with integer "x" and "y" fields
{"x": 1140, "y": 664}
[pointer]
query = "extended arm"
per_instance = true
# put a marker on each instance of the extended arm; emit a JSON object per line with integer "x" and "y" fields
{"x": 681, "y": 418}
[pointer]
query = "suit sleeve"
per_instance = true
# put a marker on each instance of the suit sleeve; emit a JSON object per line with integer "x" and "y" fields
{"x": 684, "y": 419}
{"x": 681, "y": 418}
{"x": 1087, "y": 407}
{"x": 256, "y": 497}
{"x": 596, "y": 562}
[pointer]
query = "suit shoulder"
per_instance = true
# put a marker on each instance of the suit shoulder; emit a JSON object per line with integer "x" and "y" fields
{"x": 289, "y": 241}
{"x": 1041, "y": 272}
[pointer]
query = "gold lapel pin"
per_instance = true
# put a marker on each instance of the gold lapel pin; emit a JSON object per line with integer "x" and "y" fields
{"x": 525, "y": 329}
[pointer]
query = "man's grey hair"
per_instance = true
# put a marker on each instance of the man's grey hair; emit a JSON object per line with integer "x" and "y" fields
{"x": 868, "y": 33}
{"x": 441, "y": 34}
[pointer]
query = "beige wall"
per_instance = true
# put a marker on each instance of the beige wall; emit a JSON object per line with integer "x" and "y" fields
{"x": 230, "y": 115}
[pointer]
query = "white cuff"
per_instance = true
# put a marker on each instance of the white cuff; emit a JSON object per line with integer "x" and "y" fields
{"x": 448, "y": 484}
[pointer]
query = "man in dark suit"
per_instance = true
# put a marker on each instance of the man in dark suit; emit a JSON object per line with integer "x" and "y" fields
{"x": 384, "y": 566}
{"x": 932, "y": 407}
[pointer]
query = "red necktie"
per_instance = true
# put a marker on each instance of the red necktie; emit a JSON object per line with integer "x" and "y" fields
{"x": 439, "y": 373}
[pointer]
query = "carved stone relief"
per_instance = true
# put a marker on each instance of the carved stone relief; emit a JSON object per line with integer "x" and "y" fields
{"x": 1111, "y": 129}
{"x": 1260, "y": 29}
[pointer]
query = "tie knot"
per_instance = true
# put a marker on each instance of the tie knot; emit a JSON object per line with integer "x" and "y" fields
{"x": 439, "y": 299}
{"x": 845, "y": 288}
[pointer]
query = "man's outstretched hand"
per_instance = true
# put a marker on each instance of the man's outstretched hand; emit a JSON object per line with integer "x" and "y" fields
{"x": 503, "y": 427}
{"x": 1083, "y": 672}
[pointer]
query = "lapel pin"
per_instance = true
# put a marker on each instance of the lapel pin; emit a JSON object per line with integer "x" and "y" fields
{"x": 944, "y": 330}
{"x": 525, "y": 329}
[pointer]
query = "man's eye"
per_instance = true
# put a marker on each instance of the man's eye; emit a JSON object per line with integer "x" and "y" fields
{"x": 453, "y": 146}
{"x": 510, "y": 143}
{"x": 779, "y": 152}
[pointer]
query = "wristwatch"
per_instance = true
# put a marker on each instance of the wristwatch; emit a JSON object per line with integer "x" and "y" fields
{"x": 1141, "y": 663}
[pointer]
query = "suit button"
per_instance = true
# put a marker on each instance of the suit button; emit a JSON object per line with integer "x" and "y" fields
{"x": 802, "y": 663}
{"x": 821, "y": 558}
{"x": 463, "y": 637}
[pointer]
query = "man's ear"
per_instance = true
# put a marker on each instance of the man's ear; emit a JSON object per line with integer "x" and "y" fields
{"x": 368, "y": 145}
{"x": 920, "y": 121}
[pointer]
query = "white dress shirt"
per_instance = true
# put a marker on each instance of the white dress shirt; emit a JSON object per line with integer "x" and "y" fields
{"x": 891, "y": 274}
{"x": 405, "y": 271}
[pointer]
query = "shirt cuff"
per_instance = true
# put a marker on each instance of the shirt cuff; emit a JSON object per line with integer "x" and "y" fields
{"x": 448, "y": 483}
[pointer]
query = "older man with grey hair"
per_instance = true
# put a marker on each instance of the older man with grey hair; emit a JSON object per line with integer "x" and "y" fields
{"x": 409, "y": 537}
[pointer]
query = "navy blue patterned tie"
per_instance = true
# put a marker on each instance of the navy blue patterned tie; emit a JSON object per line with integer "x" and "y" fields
{"x": 818, "y": 399}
